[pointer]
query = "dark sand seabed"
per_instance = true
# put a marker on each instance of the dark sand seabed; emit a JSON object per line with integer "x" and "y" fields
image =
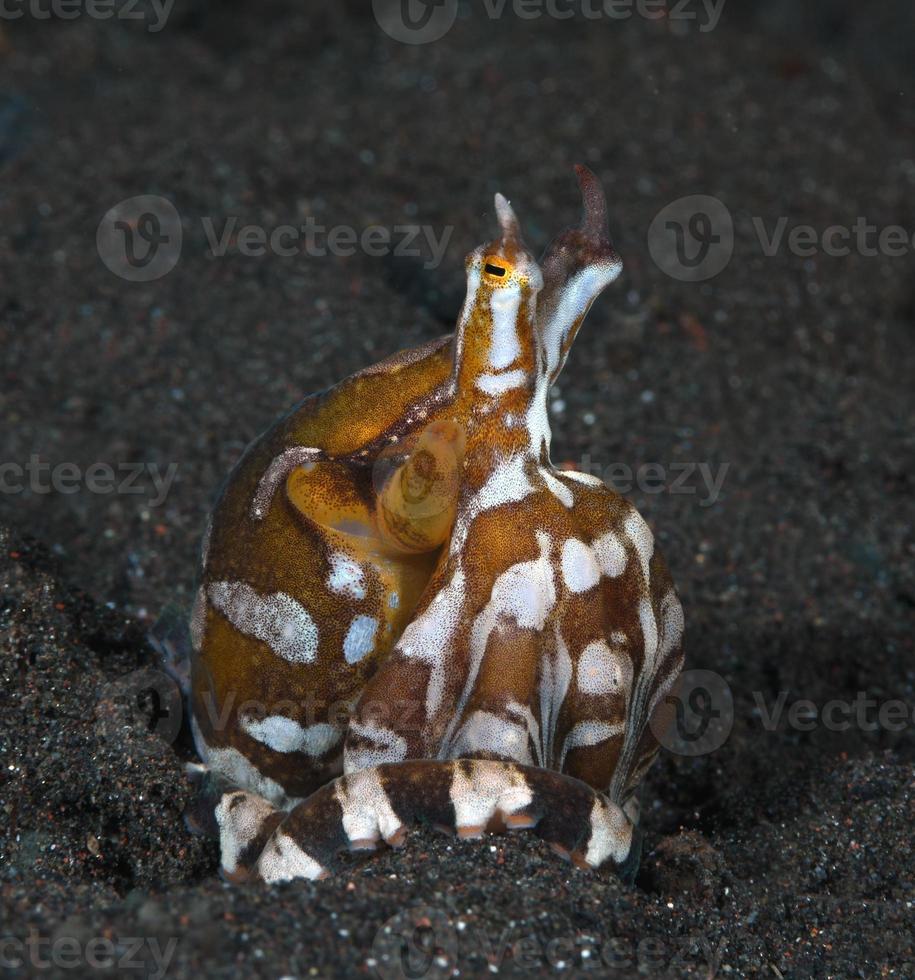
{"x": 785, "y": 853}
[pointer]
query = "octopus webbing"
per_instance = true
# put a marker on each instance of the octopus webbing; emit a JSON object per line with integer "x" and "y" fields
{"x": 407, "y": 614}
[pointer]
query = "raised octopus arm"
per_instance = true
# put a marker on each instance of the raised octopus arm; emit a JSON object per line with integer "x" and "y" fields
{"x": 577, "y": 266}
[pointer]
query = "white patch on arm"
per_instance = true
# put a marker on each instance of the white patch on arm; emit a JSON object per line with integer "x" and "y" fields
{"x": 505, "y": 347}
{"x": 611, "y": 834}
{"x": 385, "y": 746}
{"x": 498, "y": 384}
{"x": 346, "y": 576}
{"x": 610, "y": 554}
{"x": 282, "y": 860}
{"x": 429, "y": 637}
{"x": 589, "y": 479}
{"x": 490, "y": 786}
{"x": 525, "y": 593}
{"x": 603, "y": 671}
{"x": 360, "y": 638}
{"x": 275, "y": 619}
{"x": 239, "y": 817}
{"x": 559, "y": 490}
{"x": 577, "y": 296}
{"x": 639, "y": 533}
{"x": 580, "y": 571}
{"x": 367, "y": 811}
{"x": 485, "y": 731}
{"x": 507, "y": 484}
{"x": 286, "y": 735}
{"x": 587, "y": 733}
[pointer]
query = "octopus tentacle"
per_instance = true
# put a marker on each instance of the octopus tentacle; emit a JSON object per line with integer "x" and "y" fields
{"x": 577, "y": 266}
{"x": 469, "y": 796}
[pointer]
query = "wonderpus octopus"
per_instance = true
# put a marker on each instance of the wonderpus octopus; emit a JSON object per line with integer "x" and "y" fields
{"x": 406, "y": 613}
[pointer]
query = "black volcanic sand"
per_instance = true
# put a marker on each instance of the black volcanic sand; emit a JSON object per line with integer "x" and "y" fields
{"x": 786, "y": 852}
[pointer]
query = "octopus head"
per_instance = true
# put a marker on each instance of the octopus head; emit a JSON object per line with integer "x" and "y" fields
{"x": 521, "y": 317}
{"x": 496, "y": 328}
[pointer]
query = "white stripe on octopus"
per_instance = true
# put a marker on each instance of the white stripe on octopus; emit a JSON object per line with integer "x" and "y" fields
{"x": 275, "y": 619}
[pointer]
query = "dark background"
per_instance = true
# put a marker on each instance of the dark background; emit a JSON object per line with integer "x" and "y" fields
{"x": 784, "y": 853}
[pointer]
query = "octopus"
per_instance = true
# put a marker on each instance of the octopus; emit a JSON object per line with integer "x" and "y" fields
{"x": 406, "y": 613}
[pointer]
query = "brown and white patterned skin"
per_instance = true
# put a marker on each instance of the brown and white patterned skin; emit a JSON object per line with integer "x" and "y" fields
{"x": 396, "y": 577}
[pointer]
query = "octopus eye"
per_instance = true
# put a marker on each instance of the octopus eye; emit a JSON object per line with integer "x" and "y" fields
{"x": 495, "y": 270}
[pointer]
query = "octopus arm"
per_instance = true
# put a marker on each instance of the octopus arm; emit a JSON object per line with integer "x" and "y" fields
{"x": 358, "y": 811}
